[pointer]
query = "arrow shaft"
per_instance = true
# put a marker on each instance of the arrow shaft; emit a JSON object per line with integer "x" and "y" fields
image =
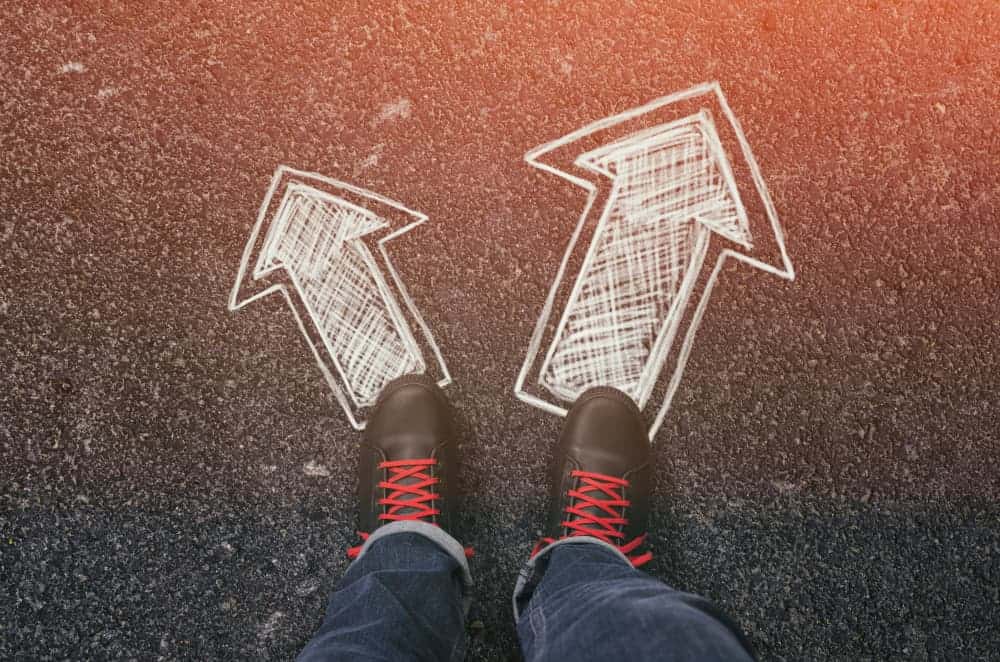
{"x": 629, "y": 293}
{"x": 704, "y": 283}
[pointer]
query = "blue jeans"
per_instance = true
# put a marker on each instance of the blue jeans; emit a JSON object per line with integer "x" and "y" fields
{"x": 406, "y": 595}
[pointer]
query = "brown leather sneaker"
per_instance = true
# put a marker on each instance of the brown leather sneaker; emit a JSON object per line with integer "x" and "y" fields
{"x": 407, "y": 465}
{"x": 601, "y": 475}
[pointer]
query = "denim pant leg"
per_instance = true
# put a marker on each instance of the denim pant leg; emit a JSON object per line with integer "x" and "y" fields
{"x": 404, "y": 598}
{"x": 580, "y": 599}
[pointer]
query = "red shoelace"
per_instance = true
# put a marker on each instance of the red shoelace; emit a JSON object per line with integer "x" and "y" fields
{"x": 605, "y": 494}
{"x": 409, "y": 495}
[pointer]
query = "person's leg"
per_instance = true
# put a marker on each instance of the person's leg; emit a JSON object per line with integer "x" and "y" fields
{"x": 581, "y": 599}
{"x": 406, "y": 595}
{"x": 403, "y": 598}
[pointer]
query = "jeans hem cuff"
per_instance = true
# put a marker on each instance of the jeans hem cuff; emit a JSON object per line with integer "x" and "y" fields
{"x": 435, "y": 534}
{"x": 530, "y": 576}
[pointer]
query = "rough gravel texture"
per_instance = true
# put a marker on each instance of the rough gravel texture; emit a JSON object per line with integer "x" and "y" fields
{"x": 177, "y": 483}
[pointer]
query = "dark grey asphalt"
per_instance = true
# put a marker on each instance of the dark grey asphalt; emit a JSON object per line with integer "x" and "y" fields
{"x": 829, "y": 470}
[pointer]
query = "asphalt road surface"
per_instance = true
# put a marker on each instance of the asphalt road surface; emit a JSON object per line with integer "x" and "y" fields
{"x": 176, "y": 481}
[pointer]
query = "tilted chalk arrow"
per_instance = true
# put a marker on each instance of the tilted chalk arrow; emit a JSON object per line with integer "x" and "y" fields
{"x": 324, "y": 250}
{"x": 667, "y": 190}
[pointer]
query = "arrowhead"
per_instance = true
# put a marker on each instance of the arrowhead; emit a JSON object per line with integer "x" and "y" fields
{"x": 297, "y": 200}
{"x": 670, "y": 161}
{"x": 673, "y": 174}
{"x": 321, "y": 244}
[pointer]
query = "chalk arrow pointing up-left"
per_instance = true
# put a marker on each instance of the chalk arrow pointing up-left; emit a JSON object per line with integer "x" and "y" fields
{"x": 321, "y": 243}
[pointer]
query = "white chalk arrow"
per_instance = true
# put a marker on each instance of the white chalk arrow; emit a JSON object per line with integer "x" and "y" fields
{"x": 321, "y": 244}
{"x": 667, "y": 188}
